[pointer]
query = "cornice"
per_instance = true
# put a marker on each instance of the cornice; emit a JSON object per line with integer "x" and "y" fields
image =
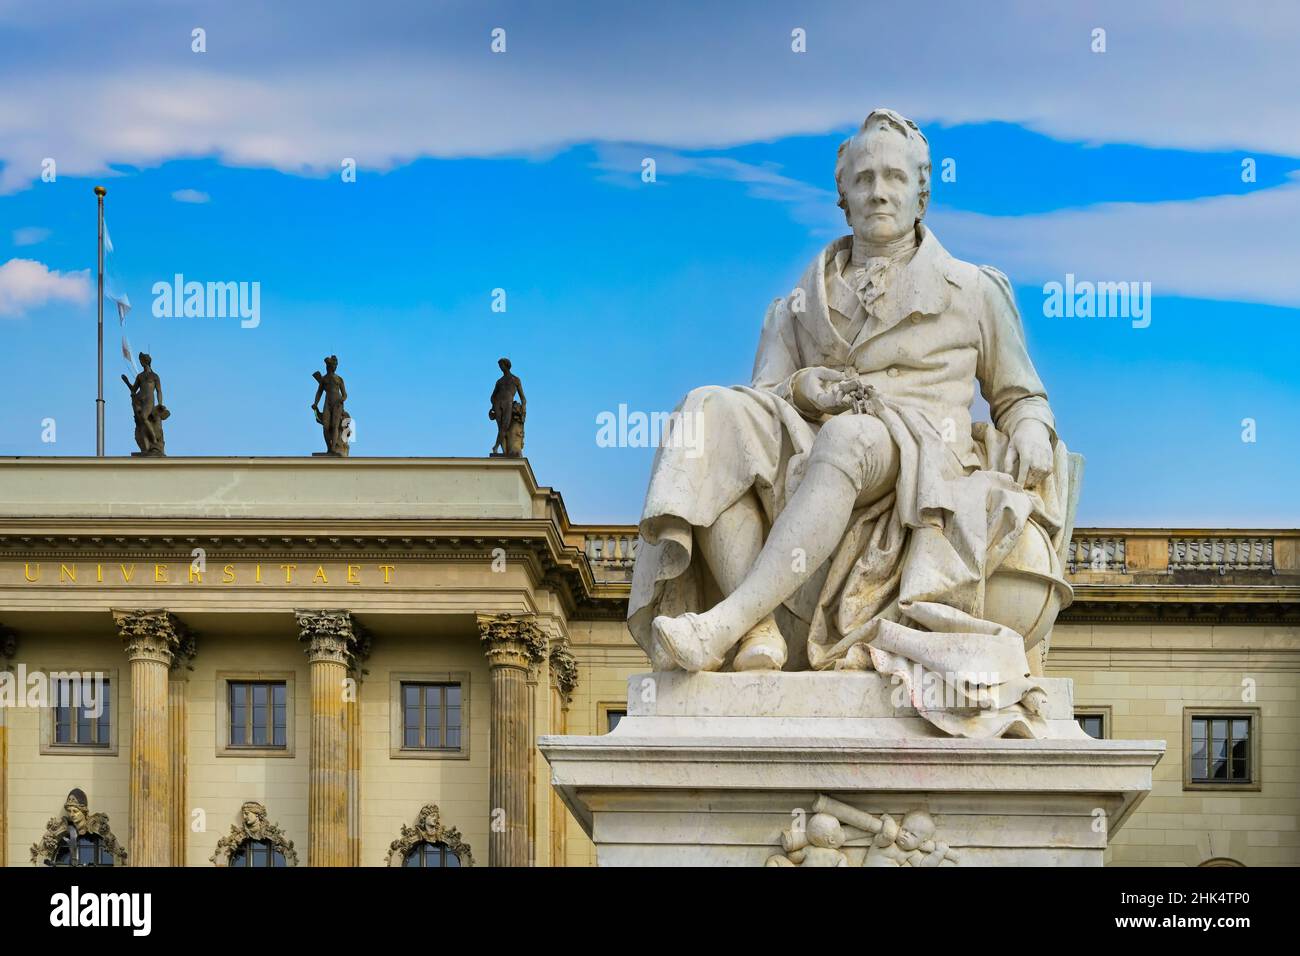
{"x": 537, "y": 542}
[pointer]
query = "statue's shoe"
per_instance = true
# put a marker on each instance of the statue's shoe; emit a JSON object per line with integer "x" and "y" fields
{"x": 763, "y": 648}
{"x": 689, "y": 640}
{"x": 660, "y": 659}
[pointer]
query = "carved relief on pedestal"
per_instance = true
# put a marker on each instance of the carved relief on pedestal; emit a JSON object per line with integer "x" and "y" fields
{"x": 511, "y": 641}
{"x": 429, "y": 829}
{"x": 254, "y": 828}
{"x": 93, "y": 845}
{"x": 820, "y": 840}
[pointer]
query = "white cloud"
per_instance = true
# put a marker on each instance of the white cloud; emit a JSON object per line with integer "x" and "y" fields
{"x": 30, "y": 235}
{"x": 1238, "y": 248}
{"x": 191, "y": 195}
{"x": 386, "y": 82}
{"x": 810, "y": 205}
{"x": 26, "y": 284}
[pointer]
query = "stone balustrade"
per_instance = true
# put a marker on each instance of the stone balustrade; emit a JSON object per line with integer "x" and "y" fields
{"x": 1222, "y": 554}
{"x": 611, "y": 551}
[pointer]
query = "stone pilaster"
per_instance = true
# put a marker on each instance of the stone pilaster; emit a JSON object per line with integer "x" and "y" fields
{"x": 353, "y": 706}
{"x": 564, "y": 680}
{"x": 8, "y": 646}
{"x": 512, "y": 645}
{"x": 178, "y": 718}
{"x": 153, "y": 639}
{"x": 333, "y": 645}
{"x": 533, "y": 675}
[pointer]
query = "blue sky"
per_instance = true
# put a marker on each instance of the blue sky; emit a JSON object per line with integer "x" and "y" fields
{"x": 522, "y": 170}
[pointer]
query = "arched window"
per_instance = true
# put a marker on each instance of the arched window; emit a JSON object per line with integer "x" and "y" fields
{"x": 429, "y": 843}
{"x": 255, "y": 841}
{"x": 257, "y": 853}
{"x": 90, "y": 851}
{"x": 425, "y": 853}
{"x": 78, "y": 837}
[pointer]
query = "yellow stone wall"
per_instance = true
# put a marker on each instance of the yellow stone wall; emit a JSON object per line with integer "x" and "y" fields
{"x": 394, "y": 790}
{"x": 217, "y": 785}
{"x": 38, "y": 784}
{"x": 1147, "y": 675}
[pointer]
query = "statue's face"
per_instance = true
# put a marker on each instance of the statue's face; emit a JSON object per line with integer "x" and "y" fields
{"x": 825, "y": 831}
{"x": 76, "y": 815}
{"x": 882, "y": 186}
{"x": 915, "y": 830}
{"x": 250, "y": 818}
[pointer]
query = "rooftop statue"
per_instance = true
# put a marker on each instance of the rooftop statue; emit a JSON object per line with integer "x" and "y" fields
{"x": 148, "y": 408}
{"x": 843, "y": 511}
{"x": 508, "y": 414}
{"x": 333, "y": 419}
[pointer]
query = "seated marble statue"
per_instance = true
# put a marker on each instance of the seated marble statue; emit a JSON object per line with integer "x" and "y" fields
{"x": 843, "y": 510}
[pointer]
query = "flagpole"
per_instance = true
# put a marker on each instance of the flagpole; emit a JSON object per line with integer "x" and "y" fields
{"x": 100, "y": 192}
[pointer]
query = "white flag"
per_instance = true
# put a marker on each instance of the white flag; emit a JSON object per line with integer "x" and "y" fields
{"x": 115, "y": 292}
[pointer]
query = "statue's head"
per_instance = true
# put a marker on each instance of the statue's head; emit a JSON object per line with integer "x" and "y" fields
{"x": 825, "y": 831}
{"x": 251, "y": 812}
{"x": 76, "y": 807}
{"x": 503, "y": 364}
{"x": 916, "y": 828}
{"x": 429, "y": 819}
{"x": 146, "y": 359}
{"x": 883, "y": 176}
{"x": 331, "y": 362}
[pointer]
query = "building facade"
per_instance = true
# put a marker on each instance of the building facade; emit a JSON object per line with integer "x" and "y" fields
{"x": 347, "y": 662}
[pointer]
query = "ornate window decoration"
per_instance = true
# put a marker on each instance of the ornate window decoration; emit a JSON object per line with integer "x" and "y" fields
{"x": 254, "y": 841}
{"x": 78, "y": 838}
{"x": 429, "y": 843}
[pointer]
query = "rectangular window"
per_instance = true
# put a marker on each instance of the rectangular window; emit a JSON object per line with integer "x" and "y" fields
{"x": 258, "y": 713}
{"x": 82, "y": 713}
{"x": 612, "y": 717}
{"x": 1220, "y": 748}
{"x": 431, "y": 716}
{"x": 1094, "y": 725}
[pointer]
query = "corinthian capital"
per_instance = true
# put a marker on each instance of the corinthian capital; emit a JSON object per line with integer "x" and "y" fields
{"x": 511, "y": 641}
{"x": 154, "y": 635}
{"x": 332, "y": 636}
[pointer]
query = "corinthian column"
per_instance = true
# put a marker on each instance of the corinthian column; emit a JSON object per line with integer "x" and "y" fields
{"x": 512, "y": 645}
{"x": 333, "y": 646}
{"x": 153, "y": 641}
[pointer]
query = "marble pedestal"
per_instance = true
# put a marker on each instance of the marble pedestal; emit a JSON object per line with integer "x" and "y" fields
{"x": 708, "y": 769}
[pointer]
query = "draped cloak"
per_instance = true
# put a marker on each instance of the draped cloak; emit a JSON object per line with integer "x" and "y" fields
{"x": 905, "y": 586}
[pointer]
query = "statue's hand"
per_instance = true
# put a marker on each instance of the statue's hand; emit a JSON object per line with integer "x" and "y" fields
{"x": 1029, "y": 458}
{"x": 822, "y": 389}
